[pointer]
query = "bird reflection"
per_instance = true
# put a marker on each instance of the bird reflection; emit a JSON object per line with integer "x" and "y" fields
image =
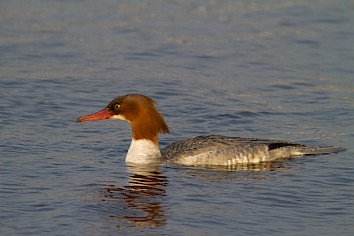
{"x": 142, "y": 198}
{"x": 142, "y": 202}
{"x": 240, "y": 172}
{"x": 253, "y": 167}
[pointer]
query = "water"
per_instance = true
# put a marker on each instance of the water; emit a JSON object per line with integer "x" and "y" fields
{"x": 275, "y": 69}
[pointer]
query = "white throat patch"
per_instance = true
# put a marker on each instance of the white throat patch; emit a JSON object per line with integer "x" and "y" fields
{"x": 118, "y": 117}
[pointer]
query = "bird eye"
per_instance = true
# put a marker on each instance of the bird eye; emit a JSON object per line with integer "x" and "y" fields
{"x": 116, "y": 106}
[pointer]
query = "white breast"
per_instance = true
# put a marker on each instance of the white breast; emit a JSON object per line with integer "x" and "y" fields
{"x": 143, "y": 151}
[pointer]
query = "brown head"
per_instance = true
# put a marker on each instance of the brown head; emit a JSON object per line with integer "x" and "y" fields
{"x": 139, "y": 110}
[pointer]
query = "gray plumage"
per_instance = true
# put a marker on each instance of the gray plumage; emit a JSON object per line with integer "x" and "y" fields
{"x": 223, "y": 150}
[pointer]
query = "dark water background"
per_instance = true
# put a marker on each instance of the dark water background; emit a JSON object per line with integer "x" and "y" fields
{"x": 271, "y": 69}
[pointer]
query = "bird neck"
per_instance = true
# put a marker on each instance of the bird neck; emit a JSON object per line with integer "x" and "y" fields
{"x": 146, "y": 124}
{"x": 143, "y": 151}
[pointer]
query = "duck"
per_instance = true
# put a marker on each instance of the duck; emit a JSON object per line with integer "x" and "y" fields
{"x": 147, "y": 124}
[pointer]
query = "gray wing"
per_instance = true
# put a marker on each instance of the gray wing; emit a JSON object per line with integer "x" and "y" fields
{"x": 223, "y": 150}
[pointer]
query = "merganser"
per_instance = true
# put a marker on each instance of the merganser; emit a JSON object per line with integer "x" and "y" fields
{"x": 147, "y": 123}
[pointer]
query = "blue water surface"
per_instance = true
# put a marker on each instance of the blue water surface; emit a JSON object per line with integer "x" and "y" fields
{"x": 269, "y": 69}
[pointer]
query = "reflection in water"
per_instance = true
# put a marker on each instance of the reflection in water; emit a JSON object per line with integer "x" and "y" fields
{"x": 264, "y": 166}
{"x": 141, "y": 200}
{"x": 257, "y": 167}
{"x": 239, "y": 172}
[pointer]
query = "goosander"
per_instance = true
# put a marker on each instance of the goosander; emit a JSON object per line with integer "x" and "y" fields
{"x": 147, "y": 123}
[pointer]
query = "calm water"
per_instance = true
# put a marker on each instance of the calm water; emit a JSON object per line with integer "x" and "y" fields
{"x": 275, "y": 69}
